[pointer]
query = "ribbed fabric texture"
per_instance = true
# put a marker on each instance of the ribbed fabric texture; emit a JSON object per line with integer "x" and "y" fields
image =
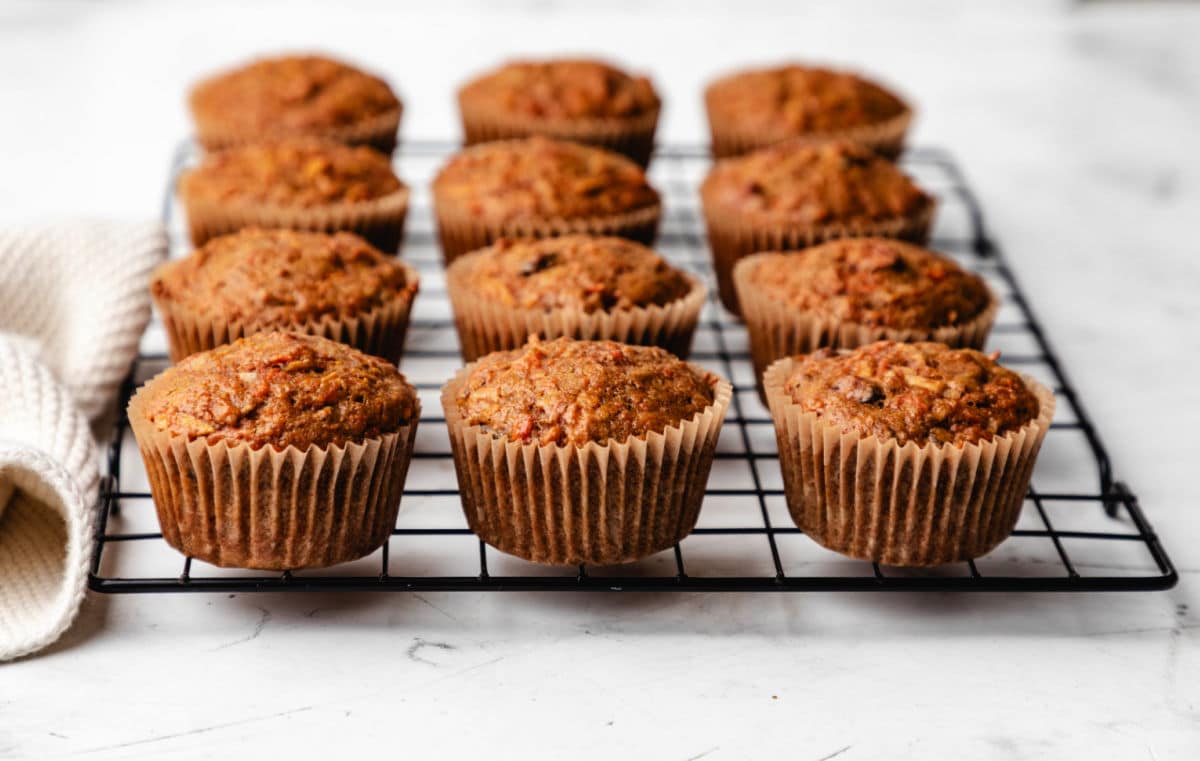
{"x": 73, "y": 306}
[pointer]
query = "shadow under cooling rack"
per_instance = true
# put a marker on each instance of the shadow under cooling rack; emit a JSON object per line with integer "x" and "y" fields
{"x": 1081, "y": 530}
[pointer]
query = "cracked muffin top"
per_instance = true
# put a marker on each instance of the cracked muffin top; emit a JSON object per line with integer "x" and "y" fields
{"x": 792, "y": 101}
{"x": 582, "y": 272}
{"x": 279, "y": 389}
{"x": 830, "y": 183}
{"x": 872, "y": 281}
{"x": 538, "y": 178}
{"x": 281, "y": 278}
{"x": 292, "y": 172}
{"x": 561, "y": 90}
{"x": 570, "y": 392}
{"x": 289, "y": 95}
{"x": 920, "y": 392}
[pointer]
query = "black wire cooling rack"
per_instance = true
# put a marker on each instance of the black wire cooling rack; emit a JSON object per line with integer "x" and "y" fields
{"x": 1081, "y": 530}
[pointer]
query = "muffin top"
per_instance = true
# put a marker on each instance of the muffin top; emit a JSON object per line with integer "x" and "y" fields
{"x": 922, "y": 392}
{"x": 290, "y": 94}
{"x": 790, "y": 101}
{"x": 837, "y": 182}
{"x": 281, "y": 389}
{"x": 873, "y": 281}
{"x": 294, "y": 172}
{"x": 571, "y": 392}
{"x": 573, "y": 272}
{"x": 539, "y": 178}
{"x": 281, "y": 278}
{"x": 562, "y": 90}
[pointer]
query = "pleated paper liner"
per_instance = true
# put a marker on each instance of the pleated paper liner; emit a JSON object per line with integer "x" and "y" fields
{"x": 731, "y": 138}
{"x": 461, "y": 233}
{"x": 379, "y": 331}
{"x": 777, "y": 329}
{"x": 377, "y": 131}
{"x": 237, "y": 507}
{"x": 902, "y": 505}
{"x": 599, "y": 503}
{"x": 486, "y": 326}
{"x": 632, "y": 137}
{"x": 380, "y": 220}
{"x": 732, "y": 237}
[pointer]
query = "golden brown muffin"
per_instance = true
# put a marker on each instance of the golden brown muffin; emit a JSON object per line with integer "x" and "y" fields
{"x": 282, "y": 277}
{"x": 338, "y": 286}
{"x": 277, "y": 451}
{"x": 563, "y": 89}
{"x": 872, "y": 281}
{"x": 574, "y": 271}
{"x": 572, "y": 392}
{"x": 578, "y": 286}
{"x": 854, "y": 291}
{"x": 922, "y": 392}
{"x": 295, "y": 96}
{"x": 297, "y": 183}
{"x": 539, "y": 179}
{"x": 796, "y": 195}
{"x": 753, "y": 109}
{"x": 281, "y": 390}
{"x": 829, "y": 184}
{"x": 540, "y": 188}
{"x": 299, "y": 172}
{"x": 906, "y": 454}
{"x": 583, "y": 451}
{"x": 587, "y": 101}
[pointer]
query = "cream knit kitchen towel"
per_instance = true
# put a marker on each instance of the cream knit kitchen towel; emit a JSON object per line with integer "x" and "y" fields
{"x": 73, "y": 305}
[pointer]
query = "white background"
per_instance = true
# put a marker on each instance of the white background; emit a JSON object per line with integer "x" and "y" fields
{"x": 1077, "y": 123}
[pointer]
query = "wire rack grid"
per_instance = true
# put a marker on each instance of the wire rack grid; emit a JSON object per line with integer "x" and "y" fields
{"x": 1081, "y": 530}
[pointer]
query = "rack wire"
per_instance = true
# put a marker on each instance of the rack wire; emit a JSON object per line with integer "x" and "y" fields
{"x": 1081, "y": 529}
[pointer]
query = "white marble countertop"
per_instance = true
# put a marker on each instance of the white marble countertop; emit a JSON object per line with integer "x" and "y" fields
{"x": 1077, "y": 124}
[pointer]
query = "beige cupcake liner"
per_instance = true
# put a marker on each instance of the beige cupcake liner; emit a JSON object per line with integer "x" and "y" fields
{"x": 379, "y": 331}
{"x": 732, "y": 238}
{"x": 486, "y": 326}
{"x": 600, "y": 503}
{"x": 238, "y": 507}
{"x": 380, "y": 221}
{"x": 462, "y": 233}
{"x": 733, "y": 139}
{"x": 902, "y": 505}
{"x": 632, "y": 137}
{"x": 778, "y": 330}
{"x": 377, "y": 131}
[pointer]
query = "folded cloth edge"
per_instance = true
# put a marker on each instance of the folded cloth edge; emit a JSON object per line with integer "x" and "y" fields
{"x": 74, "y": 302}
{"x": 31, "y": 617}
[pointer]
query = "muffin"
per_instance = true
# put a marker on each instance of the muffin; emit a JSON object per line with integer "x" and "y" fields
{"x": 540, "y": 188}
{"x": 753, "y": 109}
{"x": 277, "y": 451}
{"x": 295, "y": 96}
{"x": 577, "y": 286}
{"x": 298, "y": 184}
{"x": 585, "y": 101}
{"x": 854, "y": 291}
{"x": 574, "y": 452}
{"x": 796, "y": 195}
{"x": 337, "y": 286}
{"x": 906, "y": 454}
